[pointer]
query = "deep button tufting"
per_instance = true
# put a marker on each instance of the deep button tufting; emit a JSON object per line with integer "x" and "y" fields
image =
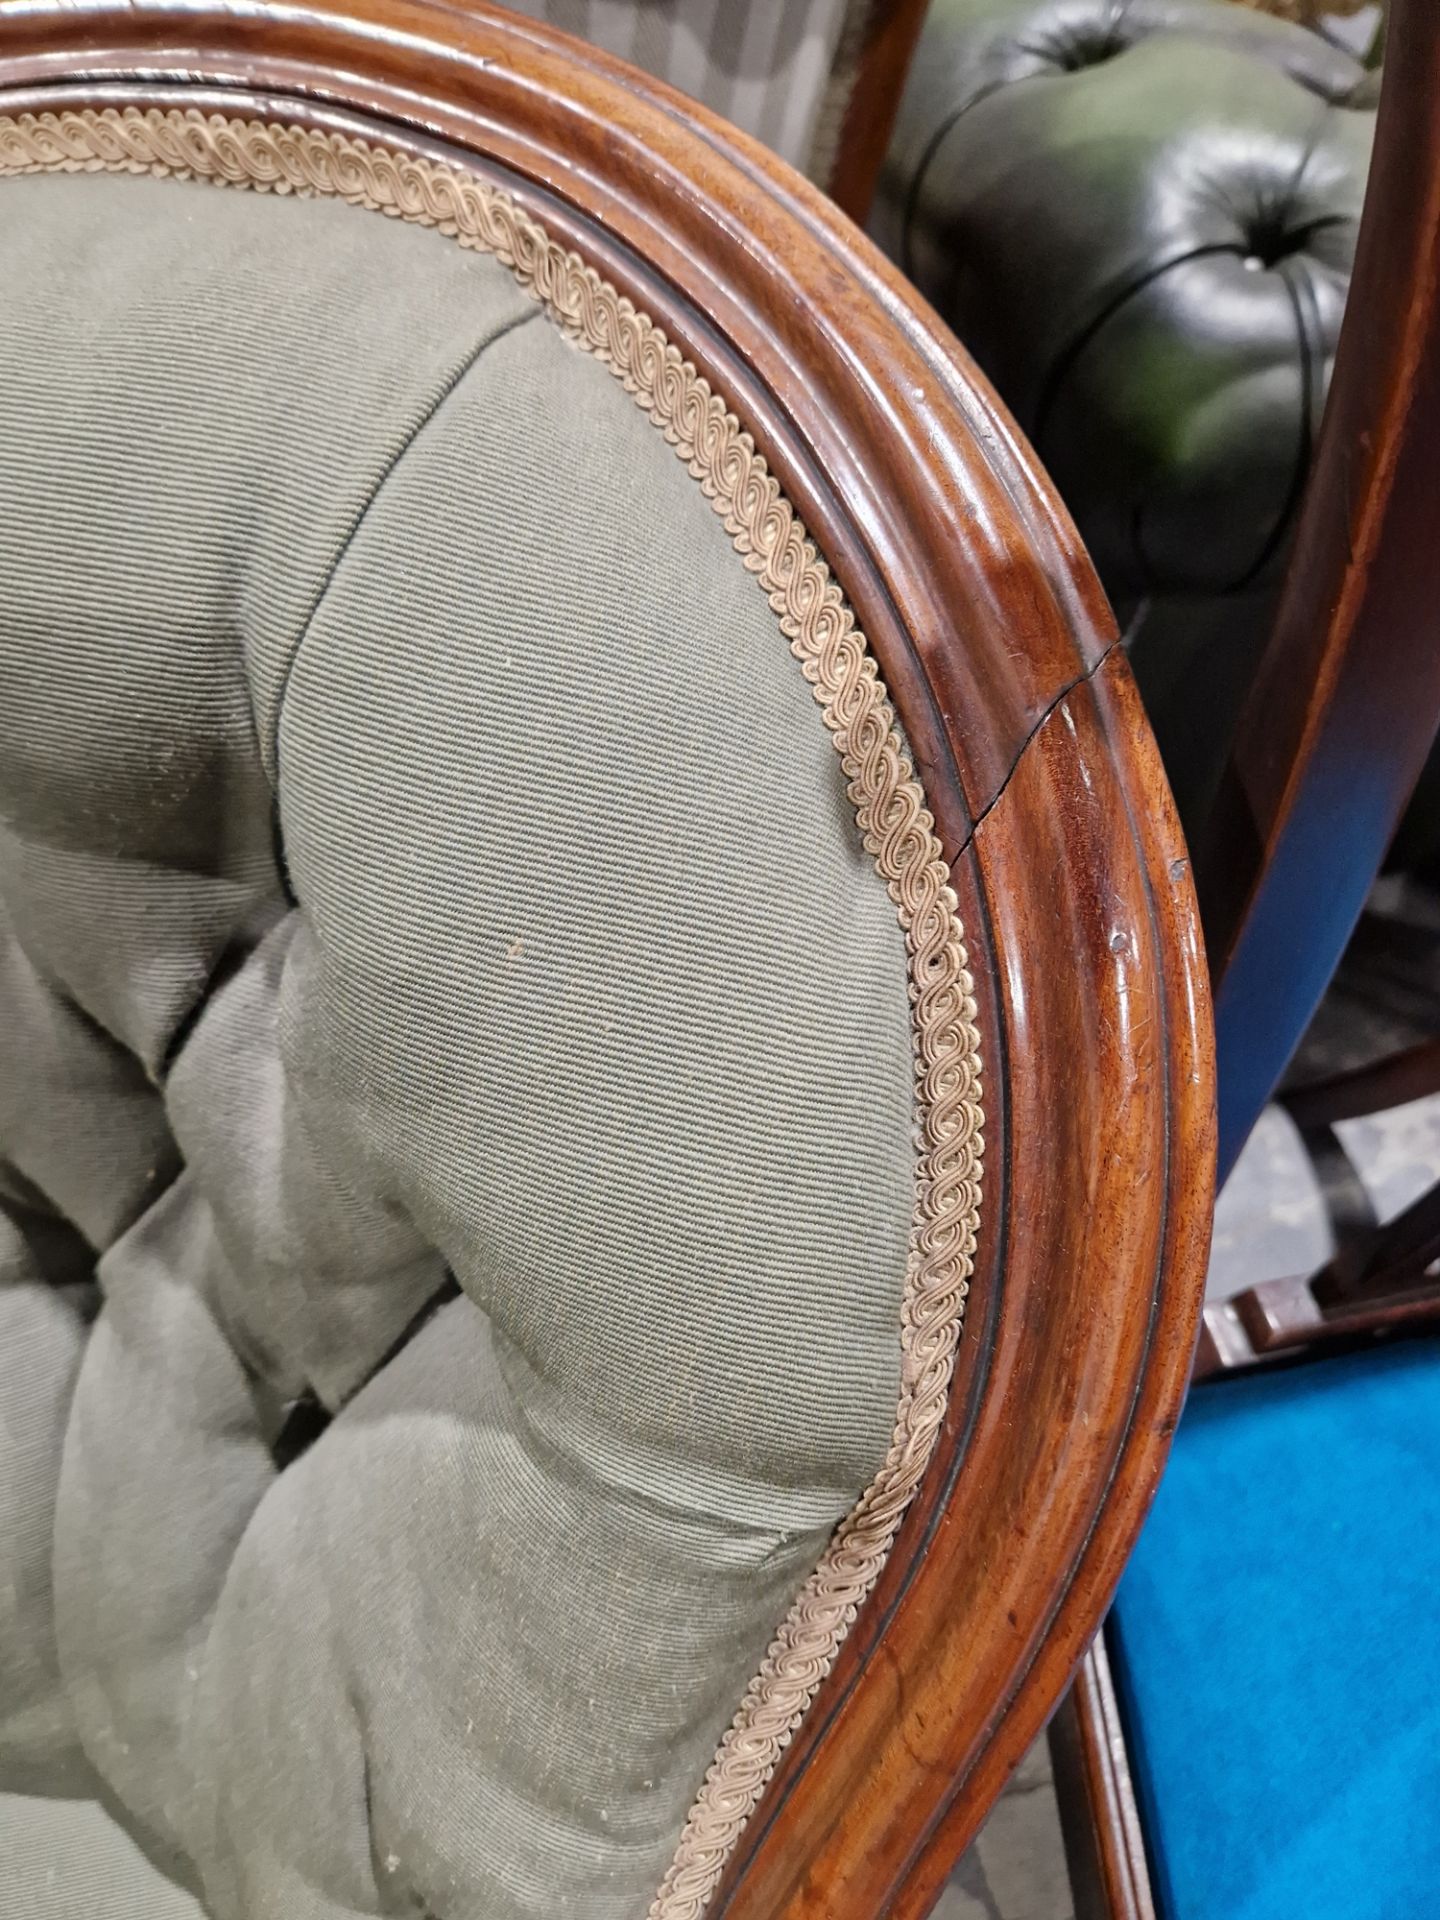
{"x": 1149, "y": 253}
{"x": 1171, "y": 384}
{"x": 474, "y": 1169}
{"x": 1267, "y": 242}
{"x": 1074, "y": 48}
{"x": 1080, "y": 54}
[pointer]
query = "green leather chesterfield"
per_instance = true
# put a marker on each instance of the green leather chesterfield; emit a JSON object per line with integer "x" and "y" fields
{"x": 1140, "y": 218}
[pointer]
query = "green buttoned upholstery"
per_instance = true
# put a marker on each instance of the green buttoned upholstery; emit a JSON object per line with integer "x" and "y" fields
{"x": 1140, "y": 216}
{"x": 442, "y": 990}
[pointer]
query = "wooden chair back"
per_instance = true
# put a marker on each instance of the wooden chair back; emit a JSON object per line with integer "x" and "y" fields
{"x": 991, "y": 634}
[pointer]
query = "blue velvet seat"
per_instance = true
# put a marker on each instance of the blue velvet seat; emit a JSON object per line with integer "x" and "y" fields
{"x": 1277, "y": 1649}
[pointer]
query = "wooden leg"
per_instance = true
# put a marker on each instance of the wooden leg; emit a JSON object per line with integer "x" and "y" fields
{"x": 1099, "y": 1817}
{"x": 1347, "y": 1199}
{"x": 1373, "y": 1088}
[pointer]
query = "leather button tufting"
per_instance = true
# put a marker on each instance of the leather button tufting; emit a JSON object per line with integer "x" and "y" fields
{"x": 1088, "y": 50}
{"x": 1149, "y": 254}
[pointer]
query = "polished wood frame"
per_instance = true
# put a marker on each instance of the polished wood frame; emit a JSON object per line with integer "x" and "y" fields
{"x": 891, "y": 32}
{"x": 1003, "y": 665}
{"x": 1330, "y": 742}
{"x": 1099, "y": 1812}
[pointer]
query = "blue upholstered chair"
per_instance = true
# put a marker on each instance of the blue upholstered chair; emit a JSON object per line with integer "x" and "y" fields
{"x": 1274, "y": 1645}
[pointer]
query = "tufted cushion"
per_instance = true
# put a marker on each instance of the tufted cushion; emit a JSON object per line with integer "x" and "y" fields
{"x": 1140, "y": 215}
{"x": 446, "y": 1008}
{"x": 1141, "y": 220}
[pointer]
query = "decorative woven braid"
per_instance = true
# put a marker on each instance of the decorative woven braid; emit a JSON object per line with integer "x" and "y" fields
{"x": 897, "y": 829}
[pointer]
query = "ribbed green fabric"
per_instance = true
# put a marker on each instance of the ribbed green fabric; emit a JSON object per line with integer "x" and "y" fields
{"x": 43, "y": 1319}
{"x": 68, "y": 1860}
{"x": 421, "y": 856}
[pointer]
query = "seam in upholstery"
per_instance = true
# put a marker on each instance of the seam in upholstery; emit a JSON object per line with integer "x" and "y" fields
{"x": 423, "y": 420}
{"x": 895, "y": 825}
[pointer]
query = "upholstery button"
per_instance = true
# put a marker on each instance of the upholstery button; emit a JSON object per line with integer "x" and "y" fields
{"x": 1087, "y": 50}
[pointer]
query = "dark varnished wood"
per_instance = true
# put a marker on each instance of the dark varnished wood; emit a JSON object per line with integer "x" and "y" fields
{"x": 1346, "y": 698}
{"x": 1387, "y": 1283}
{"x": 1099, "y": 1815}
{"x": 975, "y": 1655}
{"x": 1332, "y": 737}
{"x": 1283, "y": 1319}
{"x": 982, "y": 565}
{"x": 1379, "y": 1084}
{"x": 1398, "y": 1254}
{"x": 890, "y": 32}
{"x": 1000, "y": 656}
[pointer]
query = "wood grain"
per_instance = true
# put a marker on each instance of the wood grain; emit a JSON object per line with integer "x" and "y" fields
{"x": 1000, "y": 655}
{"x": 1330, "y": 741}
{"x": 890, "y": 32}
{"x": 1099, "y": 1815}
{"x": 1080, "y": 1391}
{"x": 1412, "y": 1074}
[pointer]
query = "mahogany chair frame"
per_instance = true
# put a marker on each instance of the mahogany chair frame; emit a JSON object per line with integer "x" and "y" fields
{"x": 1330, "y": 742}
{"x": 1003, "y": 665}
{"x": 891, "y": 31}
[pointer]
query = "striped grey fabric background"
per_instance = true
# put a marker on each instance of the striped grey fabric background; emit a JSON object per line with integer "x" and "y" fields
{"x": 780, "y": 69}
